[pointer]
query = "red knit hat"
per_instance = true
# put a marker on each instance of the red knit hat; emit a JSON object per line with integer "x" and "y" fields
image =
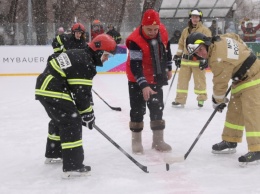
{"x": 150, "y": 17}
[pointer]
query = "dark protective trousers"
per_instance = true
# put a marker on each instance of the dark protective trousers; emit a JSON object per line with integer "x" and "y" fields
{"x": 138, "y": 104}
{"x": 65, "y": 127}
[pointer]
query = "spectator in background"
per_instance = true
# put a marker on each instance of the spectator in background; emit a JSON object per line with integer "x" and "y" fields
{"x": 230, "y": 28}
{"x": 176, "y": 37}
{"x": 96, "y": 29}
{"x": 215, "y": 30}
{"x": 60, "y": 31}
{"x": 249, "y": 31}
{"x": 115, "y": 34}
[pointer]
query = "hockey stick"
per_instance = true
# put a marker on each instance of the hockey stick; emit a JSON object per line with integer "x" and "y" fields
{"x": 182, "y": 158}
{"x": 142, "y": 167}
{"x": 170, "y": 85}
{"x": 113, "y": 108}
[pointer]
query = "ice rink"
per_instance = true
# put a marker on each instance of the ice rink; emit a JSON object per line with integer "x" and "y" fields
{"x": 23, "y": 136}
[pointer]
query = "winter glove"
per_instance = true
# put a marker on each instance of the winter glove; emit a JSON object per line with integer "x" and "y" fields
{"x": 219, "y": 106}
{"x": 177, "y": 60}
{"x": 203, "y": 64}
{"x": 88, "y": 119}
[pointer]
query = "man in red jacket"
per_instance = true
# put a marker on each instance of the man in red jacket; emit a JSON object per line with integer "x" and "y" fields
{"x": 148, "y": 68}
{"x": 249, "y": 31}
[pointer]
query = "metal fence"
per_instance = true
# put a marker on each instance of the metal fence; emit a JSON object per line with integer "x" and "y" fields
{"x": 23, "y": 34}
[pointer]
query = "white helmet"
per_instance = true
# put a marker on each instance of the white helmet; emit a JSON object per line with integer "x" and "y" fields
{"x": 195, "y": 12}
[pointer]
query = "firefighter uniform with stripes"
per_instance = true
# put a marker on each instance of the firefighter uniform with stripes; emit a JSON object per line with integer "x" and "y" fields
{"x": 64, "y": 42}
{"x": 64, "y": 89}
{"x": 230, "y": 58}
{"x": 190, "y": 65}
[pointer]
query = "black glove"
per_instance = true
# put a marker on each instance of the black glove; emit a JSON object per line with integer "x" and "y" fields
{"x": 88, "y": 119}
{"x": 219, "y": 106}
{"x": 177, "y": 60}
{"x": 203, "y": 64}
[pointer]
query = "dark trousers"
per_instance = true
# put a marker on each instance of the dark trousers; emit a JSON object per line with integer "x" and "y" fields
{"x": 138, "y": 104}
{"x": 65, "y": 127}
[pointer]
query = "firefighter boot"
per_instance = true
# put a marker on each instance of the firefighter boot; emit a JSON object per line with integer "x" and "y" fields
{"x": 158, "y": 140}
{"x": 136, "y": 128}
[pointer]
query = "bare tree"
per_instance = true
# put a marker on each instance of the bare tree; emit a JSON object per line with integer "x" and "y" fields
{"x": 40, "y": 19}
{"x": 10, "y": 20}
{"x": 121, "y": 16}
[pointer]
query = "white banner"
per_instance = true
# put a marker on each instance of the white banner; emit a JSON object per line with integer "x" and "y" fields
{"x": 23, "y": 59}
{"x": 31, "y": 60}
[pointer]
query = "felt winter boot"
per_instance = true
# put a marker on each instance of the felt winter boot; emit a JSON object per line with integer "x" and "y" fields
{"x": 157, "y": 127}
{"x": 137, "y": 146}
{"x": 136, "y": 128}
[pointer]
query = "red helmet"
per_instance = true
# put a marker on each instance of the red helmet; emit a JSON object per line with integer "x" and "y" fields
{"x": 78, "y": 27}
{"x": 96, "y": 22}
{"x": 103, "y": 42}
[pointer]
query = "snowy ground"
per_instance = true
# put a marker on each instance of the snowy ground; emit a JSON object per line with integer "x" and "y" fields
{"x": 23, "y": 126}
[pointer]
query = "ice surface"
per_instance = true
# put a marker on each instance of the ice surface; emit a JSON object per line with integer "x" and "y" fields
{"x": 23, "y": 125}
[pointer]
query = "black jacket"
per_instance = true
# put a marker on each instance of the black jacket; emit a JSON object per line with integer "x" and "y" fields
{"x": 65, "y": 42}
{"x": 116, "y": 35}
{"x": 68, "y": 77}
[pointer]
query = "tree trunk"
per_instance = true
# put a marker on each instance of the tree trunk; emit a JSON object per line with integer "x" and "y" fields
{"x": 121, "y": 15}
{"x": 40, "y": 15}
{"x": 11, "y": 21}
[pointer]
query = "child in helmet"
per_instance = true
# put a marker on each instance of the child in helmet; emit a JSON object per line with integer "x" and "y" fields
{"x": 75, "y": 40}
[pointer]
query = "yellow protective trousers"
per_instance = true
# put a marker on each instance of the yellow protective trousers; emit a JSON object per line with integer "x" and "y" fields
{"x": 184, "y": 77}
{"x": 244, "y": 112}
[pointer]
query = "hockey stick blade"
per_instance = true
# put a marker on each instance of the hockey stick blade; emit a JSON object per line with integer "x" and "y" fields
{"x": 171, "y": 160}
{"x": 116, "y": 108}
{"x": 113, "y": 108}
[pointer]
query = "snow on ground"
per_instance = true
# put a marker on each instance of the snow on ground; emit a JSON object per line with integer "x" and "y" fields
{"x": 23, "y": 126}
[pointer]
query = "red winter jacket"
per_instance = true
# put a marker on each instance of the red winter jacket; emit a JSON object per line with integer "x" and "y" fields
{"x": 250, "y": 33}
{"x": 147, "y": 59}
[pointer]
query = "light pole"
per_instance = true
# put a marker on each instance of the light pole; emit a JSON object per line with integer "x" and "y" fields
{"x": 29, "y": 35}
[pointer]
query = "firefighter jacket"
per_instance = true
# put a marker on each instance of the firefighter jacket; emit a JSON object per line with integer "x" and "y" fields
{"x": 144, "y": 55}
{"x": 250, "y": 33}
{"x": 116, "y": 35}
{"x": 227, "y": 56}
{"x": 68, "y": 77}
{"x": 65, "y": 42}
{"x": 182, "y": 51}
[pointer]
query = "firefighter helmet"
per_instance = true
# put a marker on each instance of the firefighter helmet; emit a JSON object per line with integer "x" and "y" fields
{"x": 96, "y": 23}
{"x": 249, "y": 22}
{"x": 194, "y": 40}
{"x": 196, "y": 12}
{"x": 78, "y": 27}
{"x": 103, "y": 42}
